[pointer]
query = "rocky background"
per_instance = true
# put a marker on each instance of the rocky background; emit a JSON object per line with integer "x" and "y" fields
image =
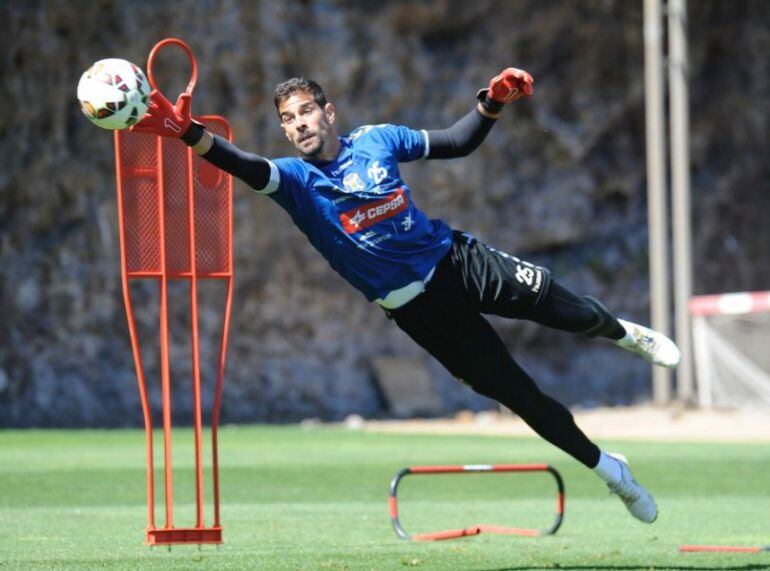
{"x": 560, "y": 181}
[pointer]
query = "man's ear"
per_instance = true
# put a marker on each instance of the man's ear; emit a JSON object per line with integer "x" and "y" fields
{"x": 330, "y": 113}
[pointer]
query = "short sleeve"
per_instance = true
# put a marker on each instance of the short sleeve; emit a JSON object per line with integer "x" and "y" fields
{"x": 290, "y": 174}
{"x": 274, "y": 180}
{"x": 405, "y": 143}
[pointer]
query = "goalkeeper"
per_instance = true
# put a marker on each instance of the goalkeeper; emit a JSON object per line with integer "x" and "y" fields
{"x": 347, "y": 196}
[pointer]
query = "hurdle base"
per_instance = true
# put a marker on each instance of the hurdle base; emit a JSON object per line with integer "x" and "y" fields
{"x": 184, "y": 535}
{"x": 474, "y": 530}
{"x": 723, "y": 548}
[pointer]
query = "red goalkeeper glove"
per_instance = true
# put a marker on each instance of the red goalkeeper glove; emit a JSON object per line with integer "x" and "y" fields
{"x": 164, "y": 119}
{"x": 511, "y": 84}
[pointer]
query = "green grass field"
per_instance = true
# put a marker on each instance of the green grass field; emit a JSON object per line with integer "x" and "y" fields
{"x": 295, "y": 498}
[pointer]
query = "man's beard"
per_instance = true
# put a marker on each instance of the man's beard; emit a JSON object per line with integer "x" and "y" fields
{"x": 314, "y": 151}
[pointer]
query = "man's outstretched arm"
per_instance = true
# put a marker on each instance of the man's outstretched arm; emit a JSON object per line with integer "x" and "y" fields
{"x": 462, "y": 138}
{"x": 254, "y": 170}
{"x": 167, "y": 120}
{"x": 469, "y": 132}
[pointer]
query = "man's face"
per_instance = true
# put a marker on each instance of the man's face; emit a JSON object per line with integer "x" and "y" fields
{"x": 306, "y": 124}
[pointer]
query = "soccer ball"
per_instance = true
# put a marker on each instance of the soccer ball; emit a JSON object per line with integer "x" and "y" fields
{"x": 113, "y": 93}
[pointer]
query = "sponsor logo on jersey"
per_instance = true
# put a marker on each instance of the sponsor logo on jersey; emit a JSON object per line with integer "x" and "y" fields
{"x": 342, "y": 167}
{"x": 366, "y": 215}
{"x": 363, "y": 130}
{"x": 342, "y": 198}
{"x": 372, "y": 239}
{"x": 377, "y": 173}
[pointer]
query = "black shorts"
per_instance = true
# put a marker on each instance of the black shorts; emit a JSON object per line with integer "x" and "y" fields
{"x": 494, "y": 282}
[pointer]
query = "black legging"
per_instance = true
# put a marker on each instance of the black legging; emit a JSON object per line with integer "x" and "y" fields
{"x": 562, "y": 309}
{"x": 446, "y": 320}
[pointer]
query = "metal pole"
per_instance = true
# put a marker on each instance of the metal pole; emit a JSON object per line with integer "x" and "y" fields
{"x": 656, "y": 188}
{"x": 680, "y": 189}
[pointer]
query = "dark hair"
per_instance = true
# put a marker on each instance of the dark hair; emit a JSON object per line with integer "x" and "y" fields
{"x": 286, "y": 89}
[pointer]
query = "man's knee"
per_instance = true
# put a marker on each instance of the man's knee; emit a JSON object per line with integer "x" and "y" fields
{"x": 606, "y": 324}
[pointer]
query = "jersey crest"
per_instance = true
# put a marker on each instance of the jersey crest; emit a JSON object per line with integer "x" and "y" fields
{"x": 353, "y": 183}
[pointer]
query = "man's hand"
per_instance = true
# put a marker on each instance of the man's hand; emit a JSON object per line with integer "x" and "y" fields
{"x": 164, "y": 119}
{"x": 511, "y": 84}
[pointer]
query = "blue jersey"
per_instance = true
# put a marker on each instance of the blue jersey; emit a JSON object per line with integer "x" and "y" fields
{"x": 358, "y": 212}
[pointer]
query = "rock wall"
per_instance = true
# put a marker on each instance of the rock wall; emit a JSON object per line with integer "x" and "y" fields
{"x": 560, "y": 181}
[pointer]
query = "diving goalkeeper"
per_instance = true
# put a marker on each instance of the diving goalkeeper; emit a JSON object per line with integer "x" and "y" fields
{"x": 345, "y": 193}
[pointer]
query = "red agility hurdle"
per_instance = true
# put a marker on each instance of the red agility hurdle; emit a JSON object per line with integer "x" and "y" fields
{"x": 475, "y": 529}
{"x": 175, "y": 214}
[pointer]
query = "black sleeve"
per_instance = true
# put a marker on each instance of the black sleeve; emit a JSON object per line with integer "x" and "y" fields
{"x": 460, "y": 139}
{"x": 250, "y": 168}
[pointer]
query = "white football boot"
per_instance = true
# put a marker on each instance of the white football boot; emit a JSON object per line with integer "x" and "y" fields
{"x": 653, "y": 346}
{"x": 638, "y": 501}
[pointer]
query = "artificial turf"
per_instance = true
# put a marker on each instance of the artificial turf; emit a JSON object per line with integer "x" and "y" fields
{"x": 297, "y": 498}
